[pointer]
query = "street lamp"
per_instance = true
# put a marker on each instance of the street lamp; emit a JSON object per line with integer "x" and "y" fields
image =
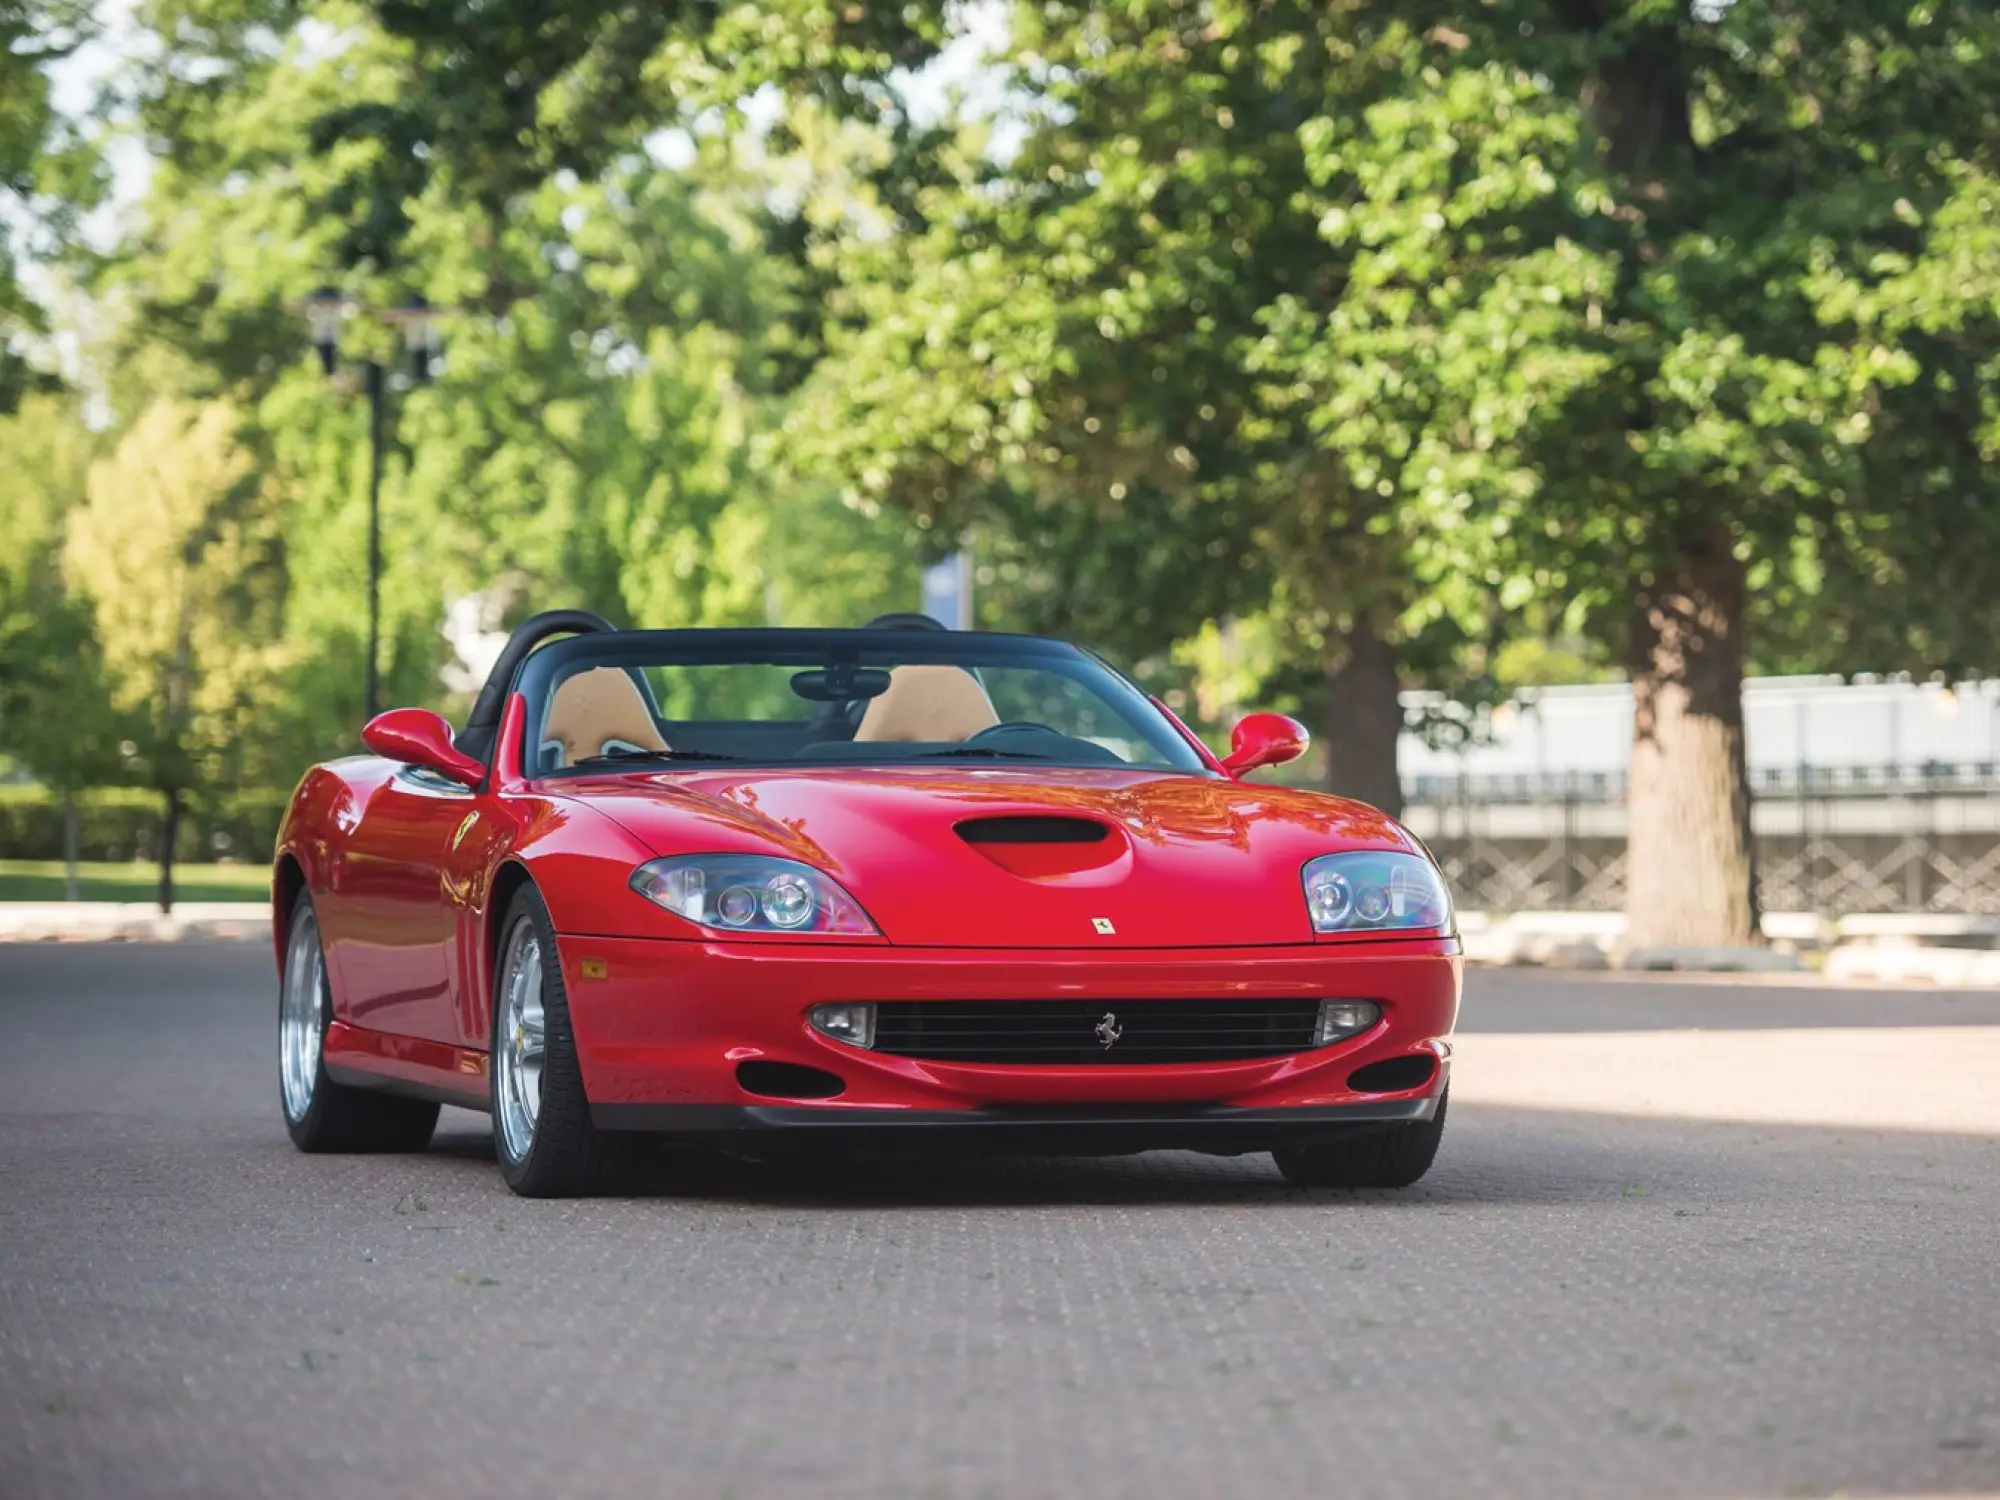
{"x": 326, "y": 310}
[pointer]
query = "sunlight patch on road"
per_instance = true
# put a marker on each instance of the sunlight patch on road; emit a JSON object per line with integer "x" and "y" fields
{"x": 1891, "y": 1078}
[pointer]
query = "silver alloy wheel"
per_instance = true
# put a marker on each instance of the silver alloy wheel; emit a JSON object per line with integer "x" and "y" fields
{"x": 520, "y": 1041}
{"x": 301, "y": 1016}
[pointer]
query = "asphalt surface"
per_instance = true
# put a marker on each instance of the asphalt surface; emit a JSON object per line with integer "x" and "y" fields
{"x": 1577, "y": 1301}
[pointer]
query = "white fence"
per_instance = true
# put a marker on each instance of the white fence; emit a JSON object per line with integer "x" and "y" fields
{"x": 1869, "y": 796}
{"x": 1815, "y": 723}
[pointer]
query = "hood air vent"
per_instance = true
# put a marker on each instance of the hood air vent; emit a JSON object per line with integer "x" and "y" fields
{"x": 1030, "y": 830}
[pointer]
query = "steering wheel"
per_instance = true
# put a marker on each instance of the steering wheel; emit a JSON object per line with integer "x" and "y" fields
{"x": 1073, "y": 746}
{"x": 1013, "y": 726}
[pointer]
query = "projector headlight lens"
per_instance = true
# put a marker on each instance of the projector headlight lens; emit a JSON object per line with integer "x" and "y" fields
{"x": 736, "y": 906}
{"x": 1376, "y": 892}
{"x": 1331, "y": 897}
{"x": 788, "y": 902}
{"x": 752, "y": 894}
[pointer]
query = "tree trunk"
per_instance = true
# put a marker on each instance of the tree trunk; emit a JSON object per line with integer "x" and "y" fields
{"x": 170, "y": 830}
{"x": 70, "y": 892}
{"x": 1364, "y": 718}
{"x": 1688, "y": 877}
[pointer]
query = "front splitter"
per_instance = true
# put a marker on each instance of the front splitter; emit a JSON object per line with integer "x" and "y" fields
{"x": 1043, "y": 1130}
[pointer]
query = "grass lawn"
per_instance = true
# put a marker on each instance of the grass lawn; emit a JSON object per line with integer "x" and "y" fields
{"x": 42, "y": 880}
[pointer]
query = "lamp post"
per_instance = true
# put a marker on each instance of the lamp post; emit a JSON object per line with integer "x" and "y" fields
{"x": 326, "y": 310}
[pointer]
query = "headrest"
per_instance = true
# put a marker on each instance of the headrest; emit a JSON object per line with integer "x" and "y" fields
{"x": 595, "y": 710}
{"x": 928, "y": 703}
{"x": 905, "y": 619}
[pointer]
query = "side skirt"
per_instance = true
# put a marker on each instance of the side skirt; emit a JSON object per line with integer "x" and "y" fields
{"x": 406, "y": 1065}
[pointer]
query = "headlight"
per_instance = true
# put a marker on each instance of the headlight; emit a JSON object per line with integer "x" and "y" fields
{"x": 752, "y": 894}
{"x": 1371, "y": 892}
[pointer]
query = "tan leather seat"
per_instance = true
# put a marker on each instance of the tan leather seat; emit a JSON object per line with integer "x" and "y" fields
{"x": 597, "y": 710}
{"x": 928, "y": 703}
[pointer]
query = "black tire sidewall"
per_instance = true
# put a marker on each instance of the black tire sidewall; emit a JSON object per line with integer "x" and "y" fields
{"x": 1383, "y": 1159}
{"x": 540, "y": 1171}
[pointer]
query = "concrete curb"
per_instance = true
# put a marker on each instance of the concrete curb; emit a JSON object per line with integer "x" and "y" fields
{"x": 131, "y": 921}
{"x": 1958, "y": 968}
{"x": 1923, "y": 947}
{"x": 1713, "y": 960}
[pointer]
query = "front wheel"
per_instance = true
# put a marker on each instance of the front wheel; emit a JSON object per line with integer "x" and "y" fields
{"x": 542, "y": 1134}
{"x": 321, "y": 1115}
{"x": 1391, "y": 1158}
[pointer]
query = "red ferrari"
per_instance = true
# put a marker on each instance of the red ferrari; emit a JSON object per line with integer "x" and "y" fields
{"x": 887, "y": 887}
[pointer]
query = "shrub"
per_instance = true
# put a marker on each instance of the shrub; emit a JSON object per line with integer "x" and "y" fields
{"x": 124, "y": 823}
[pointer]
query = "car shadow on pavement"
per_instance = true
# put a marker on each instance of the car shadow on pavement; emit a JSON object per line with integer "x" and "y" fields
{"x": 828, "y": 1178}
{"x": 842, "y": 1179}
{"x": 1493, "y": 1156}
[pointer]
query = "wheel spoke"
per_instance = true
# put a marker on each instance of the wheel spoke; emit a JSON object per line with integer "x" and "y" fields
{"x": 523, "y": 1042}
{"x": 300, "y": 1017}
{"x": 532, "y": 1042}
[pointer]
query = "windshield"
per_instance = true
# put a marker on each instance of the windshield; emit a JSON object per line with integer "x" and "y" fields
{"x": 605, "y": 703}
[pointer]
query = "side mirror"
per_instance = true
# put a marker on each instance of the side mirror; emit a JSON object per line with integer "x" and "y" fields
{"x": 418, "y": 737}
{"x": 1264, "y": 740}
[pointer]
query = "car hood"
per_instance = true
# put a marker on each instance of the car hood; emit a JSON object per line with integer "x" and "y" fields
{"x": 1170, "y": 860}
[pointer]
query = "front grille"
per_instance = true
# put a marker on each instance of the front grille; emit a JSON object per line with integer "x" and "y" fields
{"x": 1074, "y": 1031}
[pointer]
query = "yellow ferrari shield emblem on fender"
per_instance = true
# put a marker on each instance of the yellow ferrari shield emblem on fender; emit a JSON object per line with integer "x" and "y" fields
{"x": 1103, "y": 926}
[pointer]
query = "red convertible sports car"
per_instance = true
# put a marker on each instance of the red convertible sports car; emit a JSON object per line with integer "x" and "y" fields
{"x": 886, "y": 887}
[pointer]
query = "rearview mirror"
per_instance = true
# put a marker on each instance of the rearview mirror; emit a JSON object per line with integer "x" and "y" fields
{"x": 1264, "y": 740}
{"x": 840, "y": 682}
{"x": 418, "y": 737}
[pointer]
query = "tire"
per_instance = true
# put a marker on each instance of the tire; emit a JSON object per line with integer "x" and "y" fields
{"x": 542, "y": 1134}
{"x": 1391, "y": 1158}
{"x": 321, "y": 1115}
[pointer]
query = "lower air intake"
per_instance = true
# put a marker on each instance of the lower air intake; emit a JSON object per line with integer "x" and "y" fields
{"x": 1094, "y": 1031}
{"x": 1393, "y": 1075}
{"x": 782, "y": 1080}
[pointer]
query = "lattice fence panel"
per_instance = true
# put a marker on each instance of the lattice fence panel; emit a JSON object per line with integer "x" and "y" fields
{"x": 1952, "y": 874}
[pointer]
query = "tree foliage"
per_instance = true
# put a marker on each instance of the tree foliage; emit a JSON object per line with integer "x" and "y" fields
{"x": 175, "y": 554}
{"x": 48, "y": 175}
{"x": 54, "y": 716}
{"x": 1252, "y": 319}
{"x": 1780, "y": 435}
{"x": 618, "y": 347}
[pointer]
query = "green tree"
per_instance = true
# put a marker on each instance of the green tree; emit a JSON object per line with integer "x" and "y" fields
{"x": 55, "y": 714}
{"x": 1795, "y": 398}
{"x": 1164, "y": 351}
{"x": 48, "y": 174}
{"x": 175, "y": 556}
{"x": 499, "y": 98}
{"x": 621, "y": 341}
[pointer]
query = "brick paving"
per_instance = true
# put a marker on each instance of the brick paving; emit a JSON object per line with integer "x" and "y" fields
{"x": 1581, "y": 1300}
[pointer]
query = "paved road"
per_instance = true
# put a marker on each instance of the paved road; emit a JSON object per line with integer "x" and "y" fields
{"x": 1578, "y": 1302}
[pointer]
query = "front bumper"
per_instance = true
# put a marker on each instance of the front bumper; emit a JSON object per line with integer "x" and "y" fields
{"x": 662, "y": 1026}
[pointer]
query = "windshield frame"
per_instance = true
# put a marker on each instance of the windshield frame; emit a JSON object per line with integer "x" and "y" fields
{"x": 545, "y": 668}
